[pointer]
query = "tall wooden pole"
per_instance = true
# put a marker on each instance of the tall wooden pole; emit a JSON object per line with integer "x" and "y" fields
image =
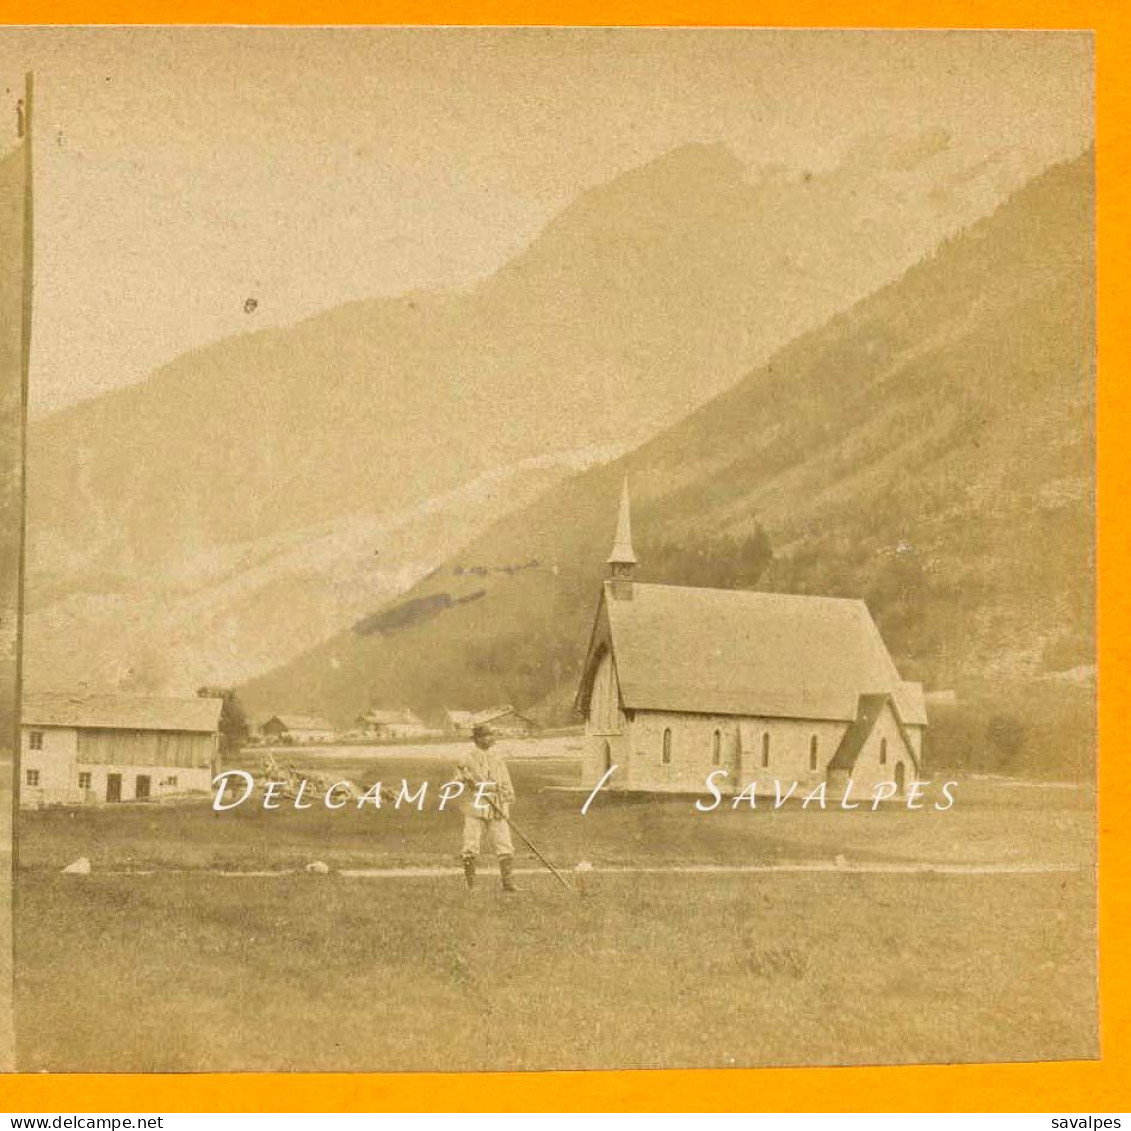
{"x": 25, "y": 365}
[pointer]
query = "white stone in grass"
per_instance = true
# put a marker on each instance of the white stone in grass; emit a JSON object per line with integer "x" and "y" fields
{"x": 318, "y": 868}
{"x": 841, "y": 860}
{"x": 583, "y": 866}
{"x": 79, "y": 867}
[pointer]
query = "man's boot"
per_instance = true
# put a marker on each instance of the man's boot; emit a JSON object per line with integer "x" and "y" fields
{"x": 469, "y": 870}
{"x": 506, "y": 868}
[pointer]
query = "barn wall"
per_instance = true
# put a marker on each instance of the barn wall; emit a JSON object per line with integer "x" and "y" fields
{"x": 54, "y": 764}
{"x": 163, "y": 780}
{"x": 98, "y": 746}
{"x": 60, "y": 763}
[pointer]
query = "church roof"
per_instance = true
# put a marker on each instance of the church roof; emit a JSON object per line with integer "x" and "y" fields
{"x": 736, "y": 652}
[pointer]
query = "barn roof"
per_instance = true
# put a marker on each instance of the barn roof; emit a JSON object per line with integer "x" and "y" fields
{"x": 121, "y": 712}
{"x": 737, "y": 652}
{"x": 301, "y": 722}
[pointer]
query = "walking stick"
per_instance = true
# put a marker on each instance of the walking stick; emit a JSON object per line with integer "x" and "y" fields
{"x": 530, "y": 844}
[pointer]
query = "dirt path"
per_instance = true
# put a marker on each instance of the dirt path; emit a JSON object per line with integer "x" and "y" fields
{"x": 420, "y": 872}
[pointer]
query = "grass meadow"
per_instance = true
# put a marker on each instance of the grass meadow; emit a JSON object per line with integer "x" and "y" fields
{"x": 156, "y": 961}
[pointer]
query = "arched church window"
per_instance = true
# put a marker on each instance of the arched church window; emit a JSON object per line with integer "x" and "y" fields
{"x": 813, "y": 753}
{"x": 716, "y": 749}
{"x": 766, "y": 749}
{"x": 883, "y": 751}
{"x": 666, "y": 753}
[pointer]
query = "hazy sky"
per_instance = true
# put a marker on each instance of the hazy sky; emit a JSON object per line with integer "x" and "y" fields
{"x": 180, "y": 172}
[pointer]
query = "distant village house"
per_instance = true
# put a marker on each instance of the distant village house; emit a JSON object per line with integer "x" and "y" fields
{"x": 110, "y": 748}
{"x": 296, "y": 729}
{"x": 505, "y": 721}
{"x": 393, "y": 724}
{"x": 679, "y": 682}
{"x": 459, "y": 722}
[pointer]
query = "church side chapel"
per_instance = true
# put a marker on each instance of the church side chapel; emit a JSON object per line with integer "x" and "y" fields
{"x": 772, "y": 688}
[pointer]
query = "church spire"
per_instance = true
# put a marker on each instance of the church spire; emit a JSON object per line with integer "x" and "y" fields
{"x": 622, "y": 561}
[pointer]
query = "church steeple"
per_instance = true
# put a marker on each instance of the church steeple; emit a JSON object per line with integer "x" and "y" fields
{"x": 622, "y": 560}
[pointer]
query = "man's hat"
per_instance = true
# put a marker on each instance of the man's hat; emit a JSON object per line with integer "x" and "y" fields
{"x": 482, "y": 725}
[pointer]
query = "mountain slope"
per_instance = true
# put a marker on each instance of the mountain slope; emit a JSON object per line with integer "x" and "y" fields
{"x": 349, "y": 419}
{"x": 231, "y": 614}
{"x": 929, "y": 450}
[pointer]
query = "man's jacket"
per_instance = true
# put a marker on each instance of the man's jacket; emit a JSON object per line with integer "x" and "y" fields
{"x": 485, "y": 766}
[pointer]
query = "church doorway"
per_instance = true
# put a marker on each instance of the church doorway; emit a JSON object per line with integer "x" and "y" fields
{"x": 899, "y": 776}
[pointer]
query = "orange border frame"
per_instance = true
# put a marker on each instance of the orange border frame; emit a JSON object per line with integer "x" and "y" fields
{"x": 1088, "y": 1086}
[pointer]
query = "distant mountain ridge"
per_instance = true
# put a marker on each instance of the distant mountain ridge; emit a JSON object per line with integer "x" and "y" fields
{"x": 929, "y": 450}
{"x": 643, "y": 299}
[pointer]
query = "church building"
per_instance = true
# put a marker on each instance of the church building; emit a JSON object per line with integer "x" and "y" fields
{"x": 680, "y": 682}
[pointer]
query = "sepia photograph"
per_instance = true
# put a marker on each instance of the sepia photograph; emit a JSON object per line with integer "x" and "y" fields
{"x": 548, "y": 548}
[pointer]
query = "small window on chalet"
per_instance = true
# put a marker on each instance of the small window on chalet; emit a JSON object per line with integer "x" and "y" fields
{"x": 766, "y": 749}
{"x": 33, "y": 777}
{"x": 666, "y": 753}
{"x": 35, "y": 740}
{"x": 86, "y": 780}
{"x": 883, "y": 751}
{"x": 813, "y": 753}
{"x": 716, "y": 749}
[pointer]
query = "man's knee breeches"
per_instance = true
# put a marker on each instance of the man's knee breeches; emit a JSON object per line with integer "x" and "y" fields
{"x": 498, "y": 830}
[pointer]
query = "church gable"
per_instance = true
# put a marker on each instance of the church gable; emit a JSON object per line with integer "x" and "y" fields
{"x": 600, "y": 644}
{"x": 876, "y": 745}
{"x": 604, "y": 712}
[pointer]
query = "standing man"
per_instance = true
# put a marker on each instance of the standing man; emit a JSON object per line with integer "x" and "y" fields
{"x": 487, "y": 798}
